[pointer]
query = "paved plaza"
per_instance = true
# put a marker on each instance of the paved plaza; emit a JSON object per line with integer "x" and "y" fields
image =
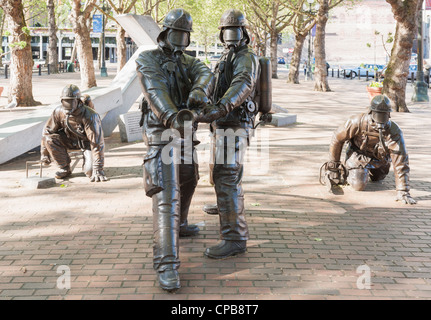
{"x": 304, "y": 242}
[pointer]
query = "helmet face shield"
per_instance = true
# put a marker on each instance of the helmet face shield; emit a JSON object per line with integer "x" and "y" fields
{"x": 178, "y": 40}
{"x": 380, "y": 117}
{"x": 69, "y": 104}
{"x": 232, "y": 36}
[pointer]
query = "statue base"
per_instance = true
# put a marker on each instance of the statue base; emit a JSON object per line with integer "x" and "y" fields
{"x": 420, "y": 93}
{"x": 37, "y": 182}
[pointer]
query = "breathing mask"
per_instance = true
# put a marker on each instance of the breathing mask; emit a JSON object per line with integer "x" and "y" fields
{"x": 232, "y": 37}
{"x": 69, "y": 105}
{"x": 381, "y": 118}
{"x": 178, "y": 40}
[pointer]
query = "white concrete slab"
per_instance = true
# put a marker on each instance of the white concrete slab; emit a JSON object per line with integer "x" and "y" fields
{"x": 128, "y": 82}
{"x": 142, "y": 29}
{"x": 37, "y": 182}
{"x": 24, "y": 132}
{"x": 283, "y": 119}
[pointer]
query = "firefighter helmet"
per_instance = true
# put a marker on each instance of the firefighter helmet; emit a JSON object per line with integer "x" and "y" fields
{"x": 178, "y": 19}
{"x": 232, "y": 18}
{"x": 70, "y": 92}
{"x": 380, "y": 103}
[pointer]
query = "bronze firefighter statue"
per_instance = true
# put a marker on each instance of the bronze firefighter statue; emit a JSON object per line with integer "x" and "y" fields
{"x": 173, "y": 84}
{"x": 373, "y": 142}
{"x": 236, "y": 101}
{"x": 74, "y": 126}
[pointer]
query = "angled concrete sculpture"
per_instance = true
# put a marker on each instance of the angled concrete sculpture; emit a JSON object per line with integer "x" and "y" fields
{"x": 144, "y": 31}
{"x": 22, "y": 133}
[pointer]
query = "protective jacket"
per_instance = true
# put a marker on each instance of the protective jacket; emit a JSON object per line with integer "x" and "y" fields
{"x": 236, "y": 85}
{"x": 166, "y": 90}
{"x": 362, "y": 134}
{"x": 82, "y": 128}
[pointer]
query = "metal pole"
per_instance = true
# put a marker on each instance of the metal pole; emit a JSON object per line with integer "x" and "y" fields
{"x": 103, "y": 71}
{"x": 420, "y": 87}
{"x": 309, "y": 56}
{"x": 309, "y": 72}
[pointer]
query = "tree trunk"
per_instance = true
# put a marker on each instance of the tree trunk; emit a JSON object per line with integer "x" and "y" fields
{"x": 273, "y": 46}
{"x": 121, "y": 48}
{"x": 73, "y": 53}
{"x": 1, "y": 33}
{"x": 21, "y": 67}
{"x": 52, "y": 31}
{"x": 83, "y": 44}
{"x": 394, "y": 85}
{"x": 320, "y": 76}
{"x": 295, "y": 62}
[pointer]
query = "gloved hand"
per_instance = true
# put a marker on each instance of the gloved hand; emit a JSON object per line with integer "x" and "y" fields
{"x": 98, "y": 175}
{"x": 196, "y": 99}
{"x": 46, "y": 160}
{"x": 210, "y": 113}
{"x": 405, "y": 197}
{"x": 171, "y": 120}
{"x": 182, "y": 121}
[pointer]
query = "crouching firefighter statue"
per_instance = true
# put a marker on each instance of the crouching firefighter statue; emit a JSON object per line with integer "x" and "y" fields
{"x": 173, "y": 83}
{"x": 238, "y": 96}
{"x": 373, "y": 143}
{"x": 74, "y": 126}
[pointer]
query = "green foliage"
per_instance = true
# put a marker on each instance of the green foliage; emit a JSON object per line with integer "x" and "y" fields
{"x": 26, "y": 30}
{"x": 390, "y": 38}
{"x": 375, "y": 84}
{"x": 18, "y": 45}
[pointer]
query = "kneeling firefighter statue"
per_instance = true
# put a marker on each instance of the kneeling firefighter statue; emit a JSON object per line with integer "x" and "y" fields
{"x": 74, "y": 126}
{"x": 243, "y": 88}
{"x": 373, "y": 143}
{"x": 173, "y": 83}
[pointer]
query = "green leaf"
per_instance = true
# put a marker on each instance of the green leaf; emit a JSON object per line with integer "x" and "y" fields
{"x": 317, "y": 239}
{"x": 255, "y": 204}
{"x": 63, "y": 185}
{"x": 26, "y": 30}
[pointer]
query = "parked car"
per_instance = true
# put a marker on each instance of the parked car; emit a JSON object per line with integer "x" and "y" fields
{"x": 281, "y": 60}
{"x": 362, "y": 70}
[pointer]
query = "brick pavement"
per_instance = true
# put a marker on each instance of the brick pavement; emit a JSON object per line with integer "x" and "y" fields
{"x": 305, "y": 243}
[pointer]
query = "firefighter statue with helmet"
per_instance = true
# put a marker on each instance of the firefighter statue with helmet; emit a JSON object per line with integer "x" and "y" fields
{"x": 173, "y": 84}
{"x": 235, "y": 104}
{"x": 74, "y": 126}
{"x": 373, "y": 142}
